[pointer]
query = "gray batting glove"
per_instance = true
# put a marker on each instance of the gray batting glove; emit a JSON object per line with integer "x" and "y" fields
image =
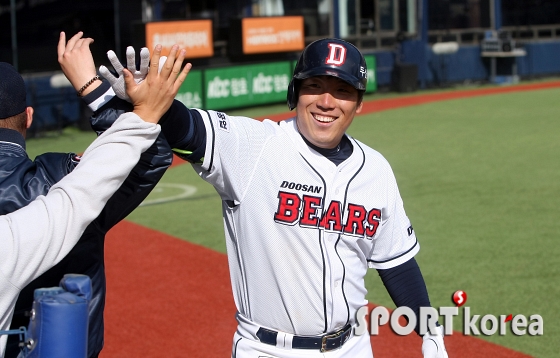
{"x": 138, "y": 74}
{"x": 433, "y": 346}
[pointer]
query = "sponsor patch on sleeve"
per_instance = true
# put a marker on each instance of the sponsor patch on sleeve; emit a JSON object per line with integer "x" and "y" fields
{"x": 410, "y": 230}
{"x": 223, "y": 122}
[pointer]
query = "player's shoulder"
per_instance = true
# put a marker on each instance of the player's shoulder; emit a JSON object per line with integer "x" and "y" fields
{"x": 370, "y": 153}
{"x": 226, "y": 122}
{"x": 288, "y": 126}
{"x": 219, "y": 115}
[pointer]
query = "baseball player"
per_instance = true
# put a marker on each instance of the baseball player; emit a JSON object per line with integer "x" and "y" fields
{"x": 307, "y": 210}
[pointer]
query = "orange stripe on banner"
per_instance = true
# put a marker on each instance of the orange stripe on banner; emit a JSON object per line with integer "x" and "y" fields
{"x": 170, "y": 298}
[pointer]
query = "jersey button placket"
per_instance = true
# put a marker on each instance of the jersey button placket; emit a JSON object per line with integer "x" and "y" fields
{"x": 335, "y": 268}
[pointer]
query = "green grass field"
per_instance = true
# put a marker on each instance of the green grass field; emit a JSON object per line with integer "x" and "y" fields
{"x": 480, "y": 179}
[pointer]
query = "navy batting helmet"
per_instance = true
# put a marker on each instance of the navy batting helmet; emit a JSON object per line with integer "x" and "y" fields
{"x": 329, "y": 57}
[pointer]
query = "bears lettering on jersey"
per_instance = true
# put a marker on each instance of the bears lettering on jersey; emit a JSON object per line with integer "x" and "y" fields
{"x": 307, "y": 210}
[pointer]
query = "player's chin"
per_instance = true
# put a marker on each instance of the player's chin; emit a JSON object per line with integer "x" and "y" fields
{"x": 324, "y": 139}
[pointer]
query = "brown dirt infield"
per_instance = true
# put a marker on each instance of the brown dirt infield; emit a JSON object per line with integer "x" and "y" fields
{"x": 170, "y": 298}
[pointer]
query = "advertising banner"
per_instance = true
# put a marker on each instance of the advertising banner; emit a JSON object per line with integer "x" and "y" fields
{"x": 272, "y": 34}
{"x": 193, "y": 35}
{"x": 248, "y": 85}
{"x": 190, "y": 92}
{"x": 371, "y": 71}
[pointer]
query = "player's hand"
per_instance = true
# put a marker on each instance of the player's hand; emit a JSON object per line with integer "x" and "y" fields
{"x": 76, "y": 61}
{"x": 153, "y": 96}
{"x": 117, "y": 82}
{"x": 433, "y": 346}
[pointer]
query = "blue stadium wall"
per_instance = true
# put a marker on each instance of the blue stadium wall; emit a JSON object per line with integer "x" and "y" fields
{"x": 54, "y": 108}
{"x": 542, "y": 59}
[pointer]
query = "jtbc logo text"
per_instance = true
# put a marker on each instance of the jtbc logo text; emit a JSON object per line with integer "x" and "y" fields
{"x": 488, "y": 325}
{"x": 307, "y": 210}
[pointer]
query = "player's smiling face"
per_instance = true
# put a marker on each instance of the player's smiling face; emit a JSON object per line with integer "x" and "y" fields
{"x": 325, "y": 109}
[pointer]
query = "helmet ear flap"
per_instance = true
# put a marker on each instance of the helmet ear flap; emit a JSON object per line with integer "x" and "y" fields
{"x": 292, "y": 94}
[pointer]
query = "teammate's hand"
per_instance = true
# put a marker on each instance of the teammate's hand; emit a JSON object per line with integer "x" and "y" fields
{"x": 433, "y": 346}
{"x": 76, "y": 61}
{"x": 153, "y": 96}
{"x": 117, "y": 82}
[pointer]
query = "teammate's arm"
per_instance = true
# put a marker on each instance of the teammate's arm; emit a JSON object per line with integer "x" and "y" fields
{"x": 131, "y": 135}
{"x": 144, "y": 176}
{"x": 77, "y": 63}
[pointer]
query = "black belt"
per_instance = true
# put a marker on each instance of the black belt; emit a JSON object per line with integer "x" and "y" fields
{"x": 323, "y": 343}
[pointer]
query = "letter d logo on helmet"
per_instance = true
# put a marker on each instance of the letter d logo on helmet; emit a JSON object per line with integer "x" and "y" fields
{"x": 329, "y": 57}
{"x": 337, "y": 55}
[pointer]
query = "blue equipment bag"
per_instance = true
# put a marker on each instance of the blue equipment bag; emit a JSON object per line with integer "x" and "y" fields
{"x": 59, "y": 322}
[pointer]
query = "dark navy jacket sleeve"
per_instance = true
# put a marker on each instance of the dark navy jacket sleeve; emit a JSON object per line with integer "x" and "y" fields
{"x": 143, "y": 178}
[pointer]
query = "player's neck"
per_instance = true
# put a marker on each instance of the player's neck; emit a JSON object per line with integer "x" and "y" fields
{"x": 337, "y": 154}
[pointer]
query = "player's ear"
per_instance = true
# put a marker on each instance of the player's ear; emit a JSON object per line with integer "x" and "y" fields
{"x": 29, "y": 112}
{"x": 360, "y": 102}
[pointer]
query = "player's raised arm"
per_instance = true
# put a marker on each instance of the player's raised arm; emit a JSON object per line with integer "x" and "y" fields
{"x": 77, "y": 63}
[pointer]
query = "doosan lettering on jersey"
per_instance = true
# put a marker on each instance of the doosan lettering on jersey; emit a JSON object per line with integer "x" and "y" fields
{"x": 303, "y": 187}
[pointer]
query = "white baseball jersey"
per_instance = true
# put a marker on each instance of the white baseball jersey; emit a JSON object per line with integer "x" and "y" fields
{"x": 301, "y": 231}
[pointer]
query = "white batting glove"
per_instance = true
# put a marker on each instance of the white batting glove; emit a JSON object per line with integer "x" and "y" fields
{"x": 138, "y": 74}
{"x": 433, "y": 346}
